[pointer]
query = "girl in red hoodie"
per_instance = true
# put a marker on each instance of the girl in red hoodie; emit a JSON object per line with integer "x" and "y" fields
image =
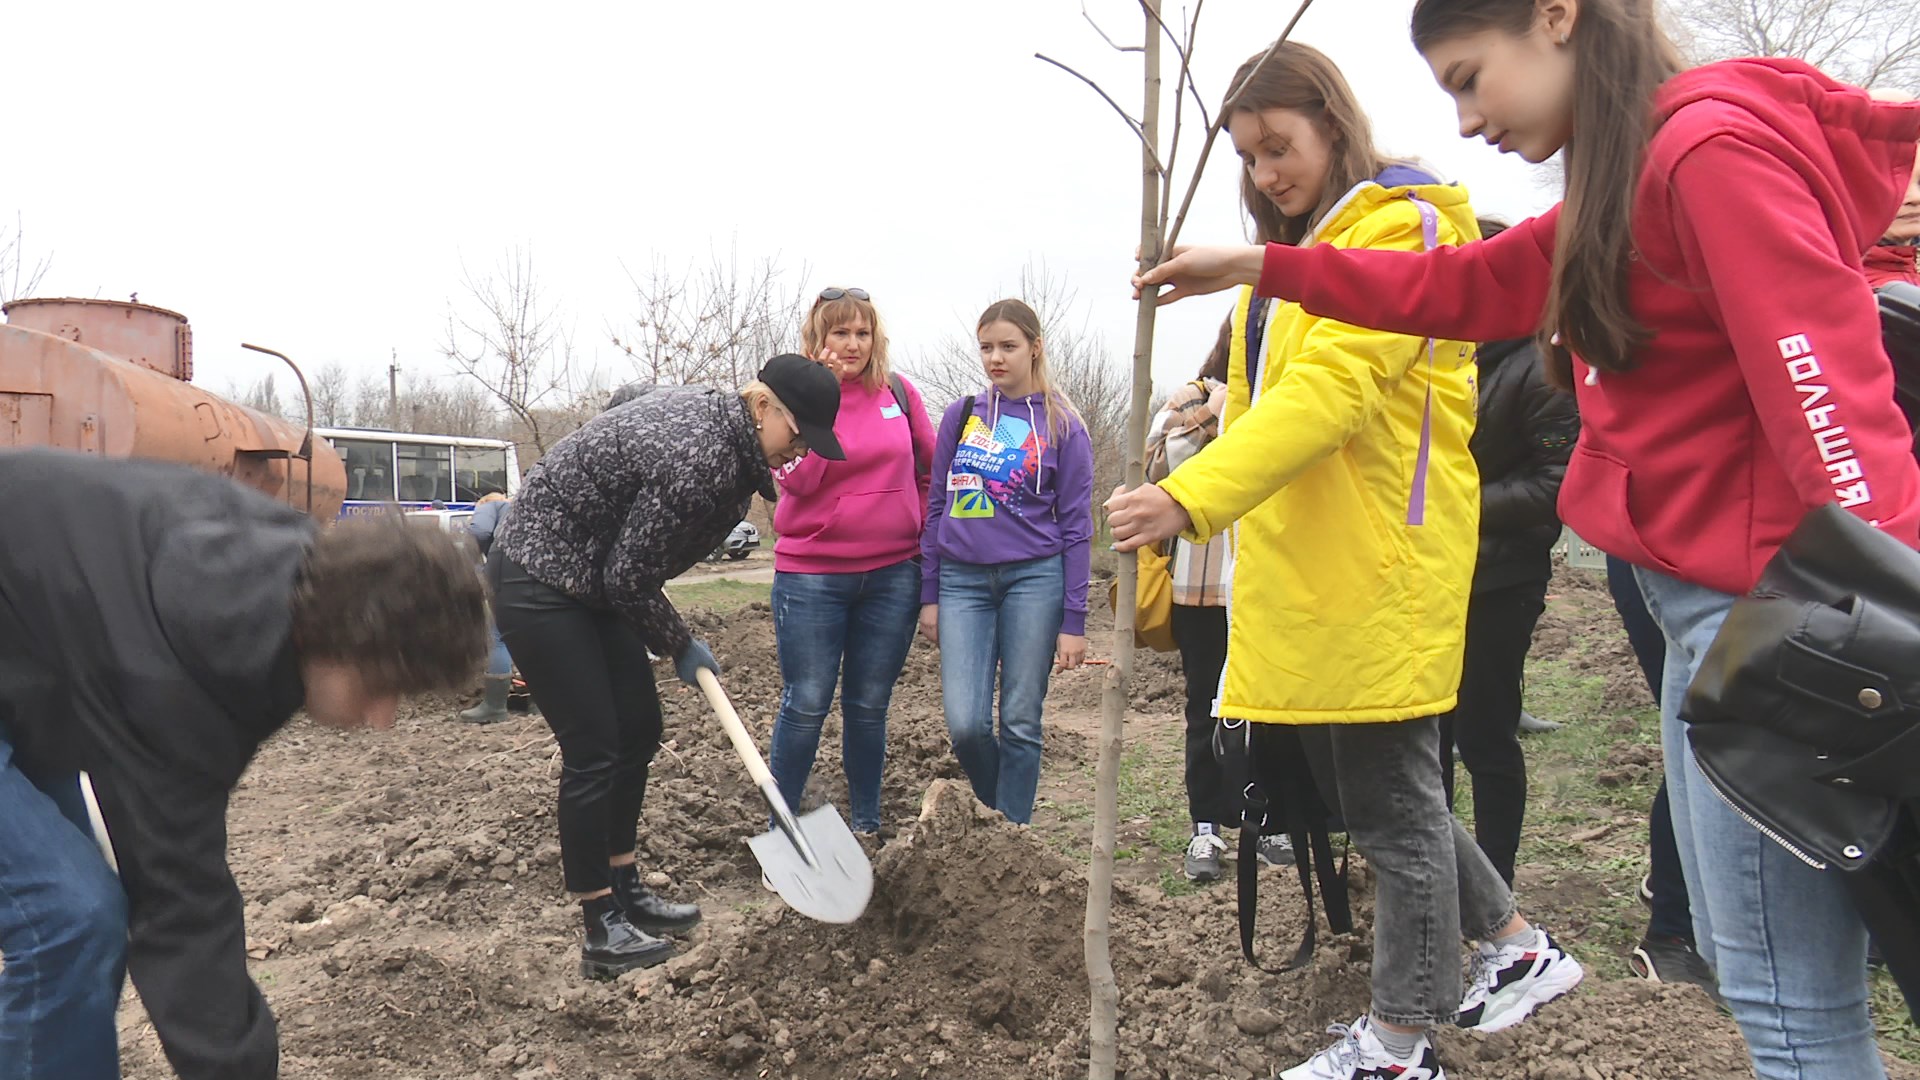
{"x": 1701, "y": 290}
{"x": 846, "y": 584}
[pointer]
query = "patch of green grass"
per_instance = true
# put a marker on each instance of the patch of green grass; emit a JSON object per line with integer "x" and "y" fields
{"x": 723, "y": 595}
{"x": 1175, "y": 883}
{"x": 1898, "y": 1035}
{"x": 1153, "y": 786}
{"x": 1565, "y": 798}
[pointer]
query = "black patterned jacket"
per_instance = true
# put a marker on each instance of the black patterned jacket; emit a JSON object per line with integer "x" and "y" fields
{"x": 630, "y": 501}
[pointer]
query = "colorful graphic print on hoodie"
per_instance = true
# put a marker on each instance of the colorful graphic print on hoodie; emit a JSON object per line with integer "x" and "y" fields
{"x": 994, "y": 467}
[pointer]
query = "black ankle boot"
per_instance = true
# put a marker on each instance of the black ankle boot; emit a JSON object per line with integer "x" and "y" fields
{"x": 615, "y": 945}
{"x": 647, "y": 911}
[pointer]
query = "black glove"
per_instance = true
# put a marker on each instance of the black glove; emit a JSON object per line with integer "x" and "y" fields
{"x": 691, "y": 659}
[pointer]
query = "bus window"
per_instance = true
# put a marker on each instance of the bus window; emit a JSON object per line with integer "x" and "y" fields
{"x": 477, "y": 470}
{"x": 425, "y": 472}
{"x": 369, "y": 469}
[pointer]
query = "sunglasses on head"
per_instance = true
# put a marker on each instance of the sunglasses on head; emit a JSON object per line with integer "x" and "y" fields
{"x": 835, "y": 292}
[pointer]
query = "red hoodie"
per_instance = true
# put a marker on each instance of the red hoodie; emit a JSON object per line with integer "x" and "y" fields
{"x": 1888, "y": 263}
{"x": 1765, "y": 390}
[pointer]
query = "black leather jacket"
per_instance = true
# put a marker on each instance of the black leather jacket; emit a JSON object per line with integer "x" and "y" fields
{"x": 1521, "y": 442}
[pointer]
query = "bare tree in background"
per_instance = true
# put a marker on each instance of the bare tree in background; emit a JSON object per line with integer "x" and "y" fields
{"x": 713, "y": 324}
{"x": 1864, "y": 42}
{"x": 509, "y": 341}
{"x": 17, "y": 277}
{"x": 450, "y": 407}
{"x": 1079, "y": 359}
{"x": 262, "y": 396}
{"x": 332, "y": 395}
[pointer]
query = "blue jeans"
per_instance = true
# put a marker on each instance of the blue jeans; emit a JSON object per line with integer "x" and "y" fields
{"x": 499, "y": 660}
{"x": 850, "y": 629}
{"x": 1670, "y": 916}
{"x": 1788, "y": 947}
{"x": 63, "y": 933}
{"x": 1004, "y": 619}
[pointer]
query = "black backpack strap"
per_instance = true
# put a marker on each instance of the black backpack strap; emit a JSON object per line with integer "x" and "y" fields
{"x": 1312, "y": 849}
{"x": 921, "y": 466}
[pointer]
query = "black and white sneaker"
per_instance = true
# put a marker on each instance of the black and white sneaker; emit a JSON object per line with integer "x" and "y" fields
{"x": 1359, "y": 1056}
{"x": 1505, "y": 985}
{"x": 1275, "y": 850}
{"x": 1203, "y": 854}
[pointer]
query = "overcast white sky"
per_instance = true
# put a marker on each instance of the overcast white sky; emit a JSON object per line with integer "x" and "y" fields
{"x": 313, "y": 177}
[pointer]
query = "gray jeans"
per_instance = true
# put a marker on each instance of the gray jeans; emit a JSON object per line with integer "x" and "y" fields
{"x": 1433, "y": 885}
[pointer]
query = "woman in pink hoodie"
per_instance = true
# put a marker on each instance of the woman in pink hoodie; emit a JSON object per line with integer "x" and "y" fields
{"x": 846, "y": 586}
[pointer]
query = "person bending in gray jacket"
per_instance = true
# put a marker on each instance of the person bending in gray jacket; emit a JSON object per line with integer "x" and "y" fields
{"x": 613, "y": 512}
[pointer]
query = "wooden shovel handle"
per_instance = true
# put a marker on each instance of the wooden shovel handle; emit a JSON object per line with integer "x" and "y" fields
{"x": 737, "y": 731}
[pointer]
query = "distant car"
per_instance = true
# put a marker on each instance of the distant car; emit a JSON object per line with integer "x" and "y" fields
{"x": 739, "y": 543}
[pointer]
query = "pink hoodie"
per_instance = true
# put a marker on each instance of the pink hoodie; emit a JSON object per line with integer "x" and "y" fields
{"x": 848, "y": 517}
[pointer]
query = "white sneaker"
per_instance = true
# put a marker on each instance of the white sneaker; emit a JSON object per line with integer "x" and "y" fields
{"x": 1505, "y": 985}
{"x": 1359, "y": 1056}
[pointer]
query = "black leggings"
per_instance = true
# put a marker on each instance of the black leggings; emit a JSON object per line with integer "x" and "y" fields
{"x": 590, "y": 676}
{"x": 1201, "y": 633}
{"x": 1486, "y": 722}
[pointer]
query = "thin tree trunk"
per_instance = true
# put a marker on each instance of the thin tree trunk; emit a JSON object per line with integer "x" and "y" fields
{"x": 1102, "y": 1041}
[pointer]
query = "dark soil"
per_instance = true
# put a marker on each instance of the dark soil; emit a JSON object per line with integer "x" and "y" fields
{"x": 407, "y": 919}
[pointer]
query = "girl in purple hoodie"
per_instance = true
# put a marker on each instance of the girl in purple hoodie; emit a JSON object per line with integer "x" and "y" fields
{"x": 1007, "y": 549}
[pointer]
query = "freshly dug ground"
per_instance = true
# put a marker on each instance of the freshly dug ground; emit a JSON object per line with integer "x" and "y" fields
{"x": 408, "y": 920}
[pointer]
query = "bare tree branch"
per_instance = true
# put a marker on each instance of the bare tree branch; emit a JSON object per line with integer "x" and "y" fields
{"x": 1179, "y": 114}
{"x": 1131, "y": 122}
{"x": 13, "y": 264}
{"x": 511, "y": 344}
{"x": 1117, "y": 47}
{"x": 716, "y": 324}
{"x": 1866, "y": 42}
{"x": 1185, "y": 50}
{"x": 1213, "y": 132}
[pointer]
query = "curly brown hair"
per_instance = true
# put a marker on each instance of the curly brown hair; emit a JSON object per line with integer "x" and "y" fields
{"x": 403, "y": 603}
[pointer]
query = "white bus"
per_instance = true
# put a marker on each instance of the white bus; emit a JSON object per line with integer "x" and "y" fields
{"x": 419, "y": 471}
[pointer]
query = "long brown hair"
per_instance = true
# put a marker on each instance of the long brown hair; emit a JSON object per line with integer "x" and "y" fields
{"x": 1023, "y": 318}
{"x": 1215, "y": 367}
{"x": 1302, "y": 78}
{"x": 830, "y": 315}
{"x": 1621, "y": 57}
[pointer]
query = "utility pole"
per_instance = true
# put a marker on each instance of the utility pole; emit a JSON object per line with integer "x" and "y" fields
{"x": 393, "y": 392}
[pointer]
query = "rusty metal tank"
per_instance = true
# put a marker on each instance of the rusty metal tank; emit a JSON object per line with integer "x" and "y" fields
{"x": 111, "y": 378}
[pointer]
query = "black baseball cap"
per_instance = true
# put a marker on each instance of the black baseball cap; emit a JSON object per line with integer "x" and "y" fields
{"x": 812, "y": 394}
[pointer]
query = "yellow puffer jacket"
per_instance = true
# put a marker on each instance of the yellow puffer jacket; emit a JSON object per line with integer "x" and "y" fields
{"x": 1353, "y": 557}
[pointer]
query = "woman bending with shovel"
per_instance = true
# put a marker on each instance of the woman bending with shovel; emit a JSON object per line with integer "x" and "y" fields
{"x": 614, "y": 511}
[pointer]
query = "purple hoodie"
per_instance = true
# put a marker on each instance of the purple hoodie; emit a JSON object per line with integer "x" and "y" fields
{"x": 1004, "y": 491}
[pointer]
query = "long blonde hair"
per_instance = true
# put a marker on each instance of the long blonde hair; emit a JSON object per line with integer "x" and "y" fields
{"x": 1023, "y": 318}
{"x": 829, "y": 315}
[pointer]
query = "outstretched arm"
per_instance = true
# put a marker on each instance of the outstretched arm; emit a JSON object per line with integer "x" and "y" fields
{"x": 1488, "y": 290}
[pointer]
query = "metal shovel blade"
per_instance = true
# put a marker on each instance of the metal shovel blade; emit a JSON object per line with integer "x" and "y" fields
{"x": 834, "y": 888}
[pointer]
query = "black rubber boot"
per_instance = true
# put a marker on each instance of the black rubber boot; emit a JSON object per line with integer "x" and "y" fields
{"x": 647, "y": 911}
{"x": 615, "y": 945}
{"x": 493, "y": 707}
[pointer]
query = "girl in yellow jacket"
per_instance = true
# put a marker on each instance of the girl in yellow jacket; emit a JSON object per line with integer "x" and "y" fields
{"x": 1343, "y": 479}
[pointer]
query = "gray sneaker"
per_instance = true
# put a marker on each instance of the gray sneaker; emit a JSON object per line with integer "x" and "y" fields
{"x": 1275, "y": 850}
{"x": 1203, "y": 856}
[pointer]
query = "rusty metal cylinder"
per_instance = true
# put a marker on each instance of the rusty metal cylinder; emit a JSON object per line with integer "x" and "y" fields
{"x": 108, "y": 378}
